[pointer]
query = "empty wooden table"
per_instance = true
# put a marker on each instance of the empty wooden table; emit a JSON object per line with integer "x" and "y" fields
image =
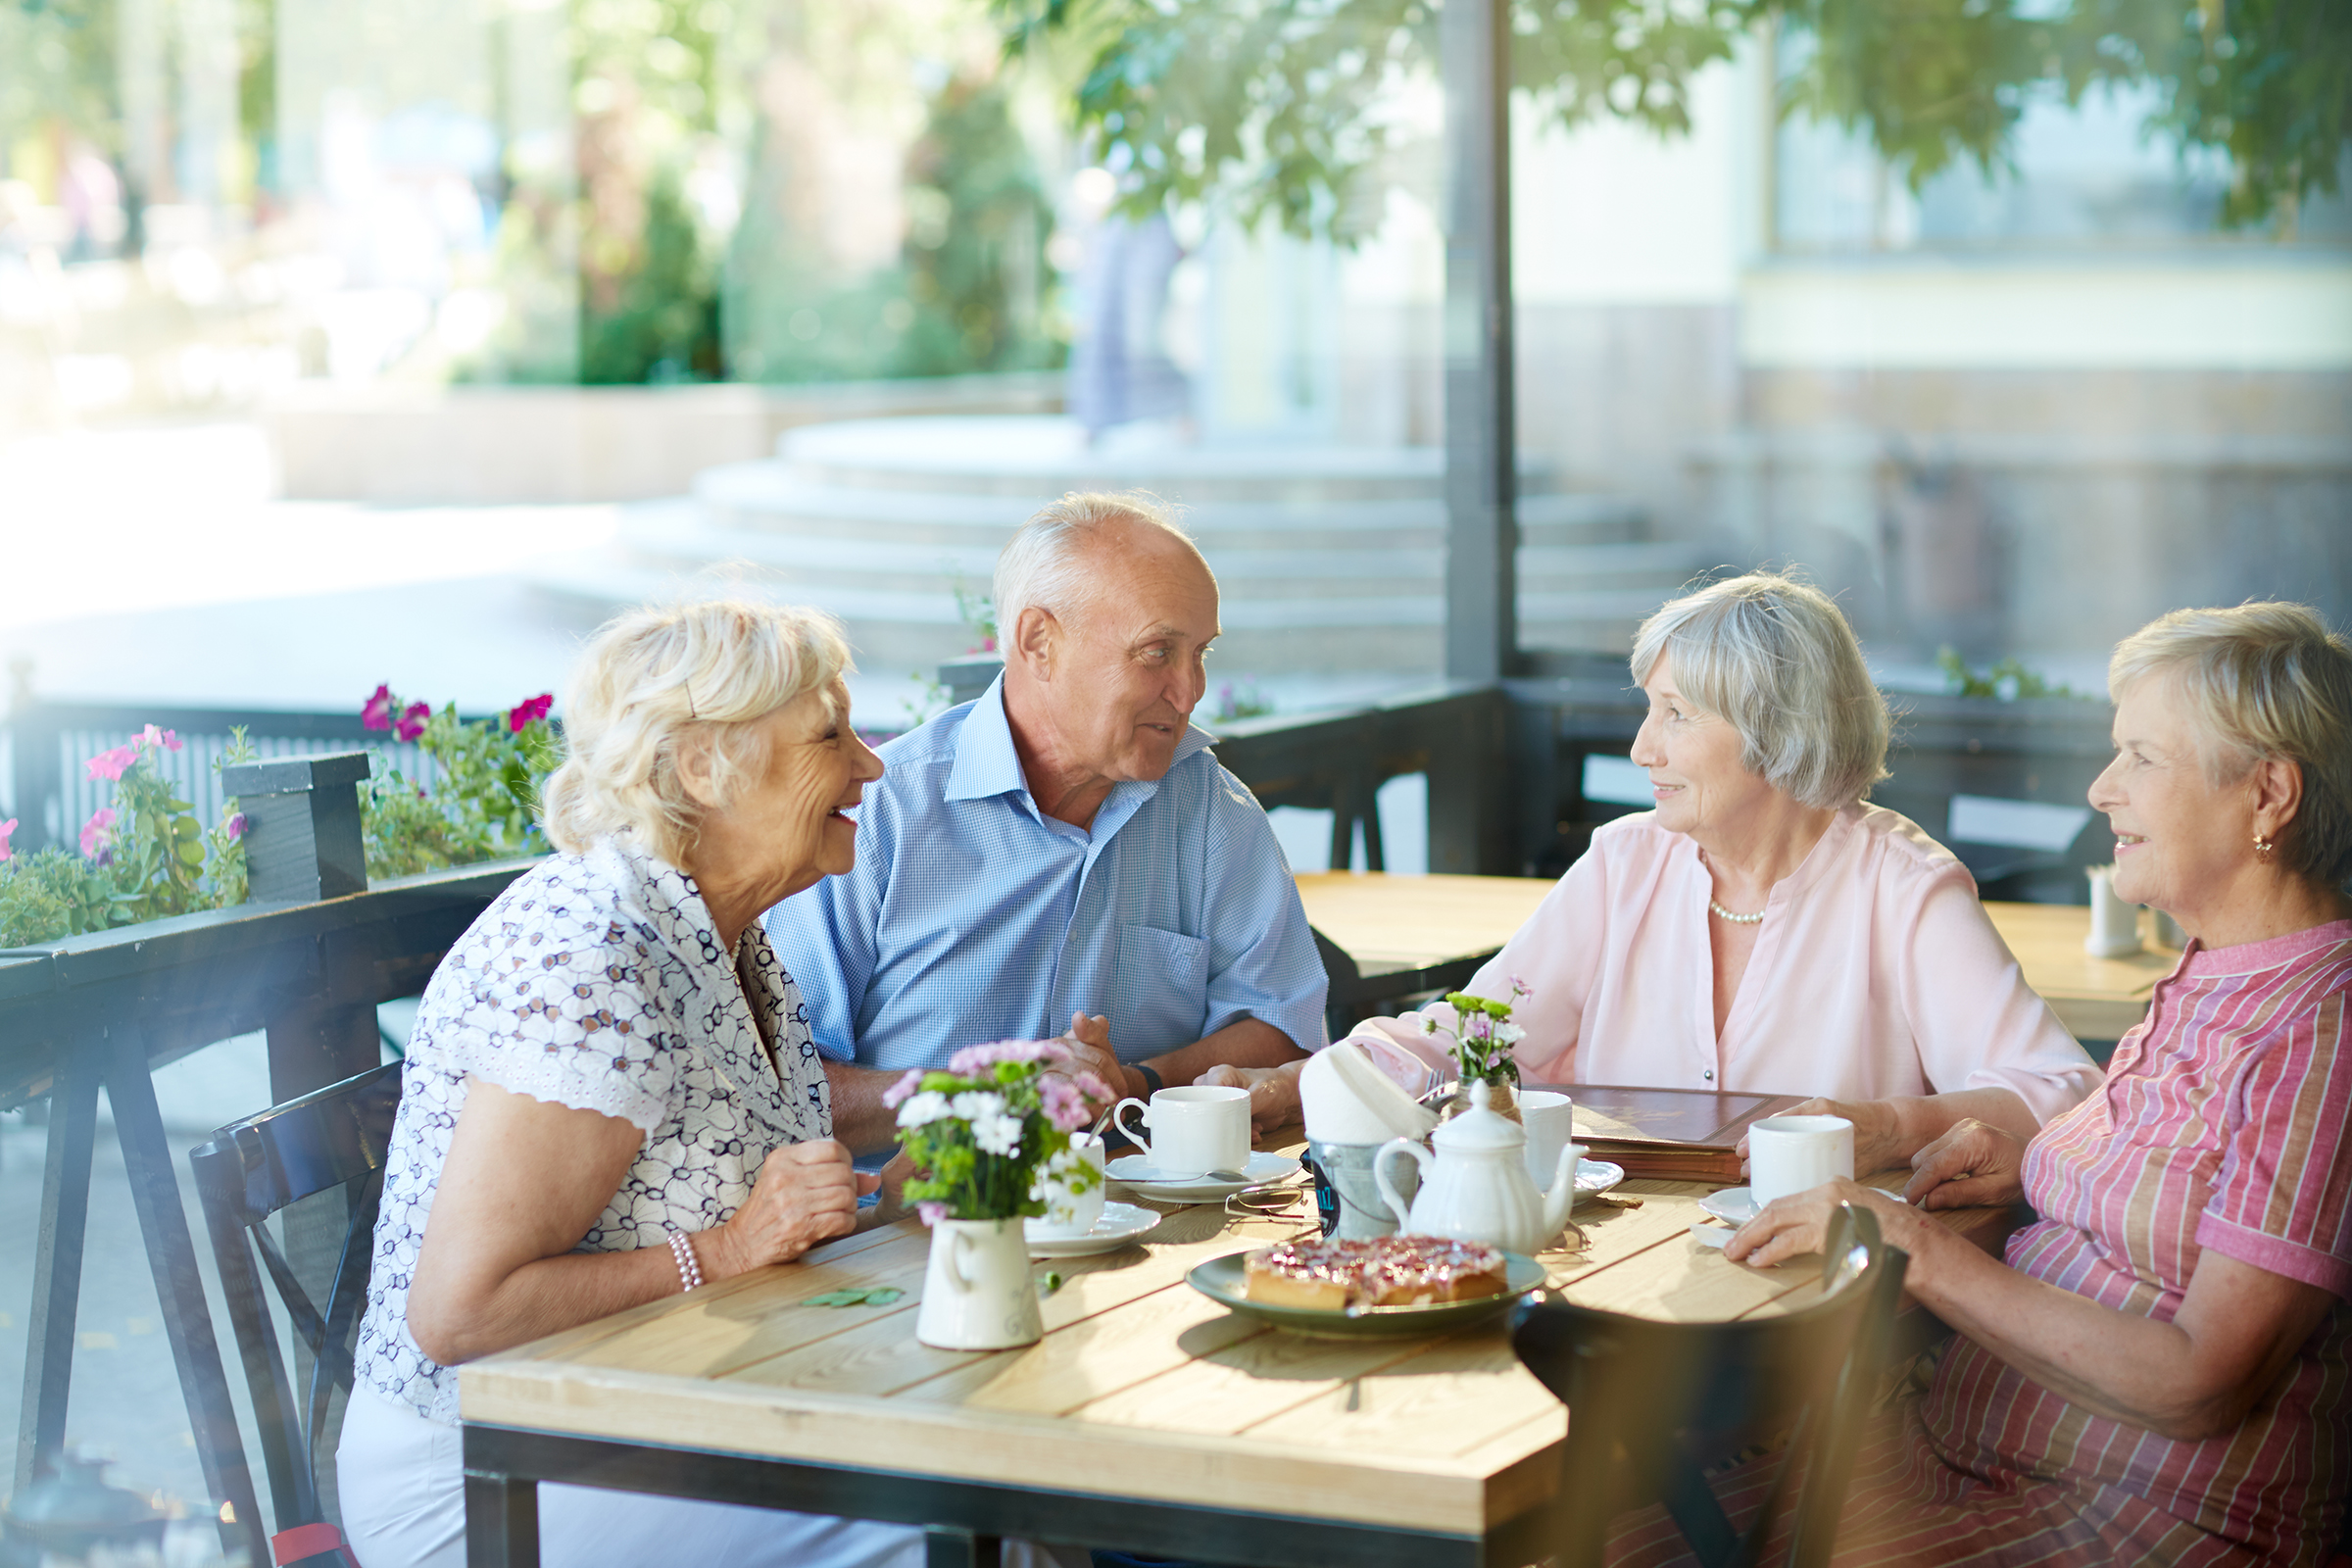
{"x": 1147, "y": 1418}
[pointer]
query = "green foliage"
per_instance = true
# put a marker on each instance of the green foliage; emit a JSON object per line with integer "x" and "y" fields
{"x": 2007, "y": 680}
{"x": 1482, "y": 1035}
{"x": 1278, "y": 103}
{"x": 656, "y": 318}
{"x": 148, "y": 859}
{"x": 484, "y": 801}
{"x": 878, "y": 1295}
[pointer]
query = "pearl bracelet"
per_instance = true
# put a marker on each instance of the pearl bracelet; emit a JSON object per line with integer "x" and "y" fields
{"x": 690, "y": 1272}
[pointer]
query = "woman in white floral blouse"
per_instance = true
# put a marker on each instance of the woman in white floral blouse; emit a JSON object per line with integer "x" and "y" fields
{"x": 611, "y": 1090}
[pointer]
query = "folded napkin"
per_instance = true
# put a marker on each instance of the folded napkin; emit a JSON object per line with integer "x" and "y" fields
{"x": 1346, "y": 1098}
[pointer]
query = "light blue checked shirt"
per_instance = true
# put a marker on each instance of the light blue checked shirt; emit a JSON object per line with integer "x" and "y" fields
{"x": 972, "y": 916}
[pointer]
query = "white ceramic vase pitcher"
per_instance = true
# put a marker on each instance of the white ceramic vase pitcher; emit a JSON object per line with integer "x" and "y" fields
{"x": 978, "y": 1293}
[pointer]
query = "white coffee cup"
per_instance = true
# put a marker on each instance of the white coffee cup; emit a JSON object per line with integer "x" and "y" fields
{"x": 1068, "y": 1212}
{"x": 1198, "y": 1127}
{"x": 1794, "y": 1154}
{"x": 1550, "y": 1121}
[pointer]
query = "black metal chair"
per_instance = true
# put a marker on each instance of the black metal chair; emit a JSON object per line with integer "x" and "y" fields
{"x": 250, "y": 1170}
{"x": 1652, "y": 1405}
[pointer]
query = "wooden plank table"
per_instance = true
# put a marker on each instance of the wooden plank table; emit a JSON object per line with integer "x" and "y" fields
{"x": 1447, "y": 926}
{"x": 1149, "y": 1417}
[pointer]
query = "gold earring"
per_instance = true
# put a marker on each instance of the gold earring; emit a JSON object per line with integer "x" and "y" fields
{"x": 2263, "y": 846}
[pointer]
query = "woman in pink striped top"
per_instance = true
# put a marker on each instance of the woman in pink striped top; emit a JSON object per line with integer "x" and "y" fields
{"x": 2162, "y": 1369}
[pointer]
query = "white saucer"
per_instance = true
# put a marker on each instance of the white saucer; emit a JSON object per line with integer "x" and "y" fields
{"x": 1120, "y": 1226}
{"x": 1597, "y": 1176}
{"x": 1737, "y": 1206}
{"x": 1139, "y": 1174}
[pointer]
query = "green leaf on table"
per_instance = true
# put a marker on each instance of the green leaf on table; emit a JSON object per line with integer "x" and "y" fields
{"x": 881, "y": 1295}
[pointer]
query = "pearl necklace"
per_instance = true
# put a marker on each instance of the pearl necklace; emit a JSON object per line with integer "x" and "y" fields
{"x": 1736, "y": 920}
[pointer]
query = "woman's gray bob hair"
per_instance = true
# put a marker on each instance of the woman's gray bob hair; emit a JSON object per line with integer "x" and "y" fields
{"x": 2265, "y": 681}
{"x": 653, "y": 679}
{"x": 1776, "y": 659}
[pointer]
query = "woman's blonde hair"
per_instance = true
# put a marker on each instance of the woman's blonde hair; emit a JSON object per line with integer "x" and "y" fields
{"x": 652, "y": 679}
{"x": 1777, "y": 661}
{"x": 2265, "y": 681}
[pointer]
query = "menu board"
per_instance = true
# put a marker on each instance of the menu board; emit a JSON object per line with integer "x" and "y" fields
{"x": 1680, "y": 1135}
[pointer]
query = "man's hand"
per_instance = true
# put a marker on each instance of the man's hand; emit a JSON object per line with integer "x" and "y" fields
{"x": 1971, "y": 1165}
{"x": 1273, "y": 1092}
{"x": 1089, "y": 1041}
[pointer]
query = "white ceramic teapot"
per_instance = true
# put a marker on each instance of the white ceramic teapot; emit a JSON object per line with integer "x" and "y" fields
{"x": 1476, "y": 1188}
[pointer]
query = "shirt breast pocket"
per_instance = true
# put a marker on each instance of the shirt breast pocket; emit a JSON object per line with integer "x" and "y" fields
{"x": 1161, "y": 996}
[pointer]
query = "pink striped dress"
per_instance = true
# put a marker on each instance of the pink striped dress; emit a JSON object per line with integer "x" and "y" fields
{"x": 2225, "y": 1124}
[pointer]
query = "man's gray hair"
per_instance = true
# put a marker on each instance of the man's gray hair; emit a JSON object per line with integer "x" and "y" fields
{"x": 2264, "y": 680}
{"x": 1043, "y": 564}
{"x": 1777, "y": 661}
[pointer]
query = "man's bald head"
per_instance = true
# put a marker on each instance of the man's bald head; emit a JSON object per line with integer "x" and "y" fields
{"x": 1064, "y": 557}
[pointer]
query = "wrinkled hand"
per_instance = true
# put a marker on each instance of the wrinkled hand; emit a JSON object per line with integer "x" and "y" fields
{"x": 892, "y": 1180}
{"x": 1974, "y": 1164}
{"x": 806, "y": 1194}
{"x": 1792, "y": 1226}
{"x": 1273, "y": 1093}
{"x": 1878, "y": 1132}
{"x": 1089, "y": 1043}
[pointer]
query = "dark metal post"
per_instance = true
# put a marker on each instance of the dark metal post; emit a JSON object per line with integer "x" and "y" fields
{"x": 501, "y": 1521}
{"x": 57, "y": 1264}
{"x": 1481, "y": 530}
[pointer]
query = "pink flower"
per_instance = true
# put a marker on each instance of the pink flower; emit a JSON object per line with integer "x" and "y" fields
{"x": 6, "y": 828}
{"x": 931, "y": 1212}
{"x": 377, "y": 712}
{"x": 529, "y": 710}
{"x": 1064, "y": 1105}
{"x": 898, "y": 1093}
{"x": 1095, "y": 1089}
{"x": 971, "y": 1061}
{"x": 411, "y": 722}
{"x": 111, "y": 765}
{"x": 97, "y": 833}
{"x": 235, "y": 826}
{"x": 169, "y": 740}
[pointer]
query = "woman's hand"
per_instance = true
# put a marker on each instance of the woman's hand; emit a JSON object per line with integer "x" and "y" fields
{"x": 1273, "y": 1092}
{"x": 1971, "y": 1165}
{"x": 806, "y": 1194}
{"x": 1791, "y": 1227}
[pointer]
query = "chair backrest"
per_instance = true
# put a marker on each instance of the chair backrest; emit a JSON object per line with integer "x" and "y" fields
{"x": 333, "y": 1138}
{"x": 1651, "y": 1405}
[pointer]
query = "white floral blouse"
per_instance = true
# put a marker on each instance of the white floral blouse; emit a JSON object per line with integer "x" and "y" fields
{"x": 595, "y": 981}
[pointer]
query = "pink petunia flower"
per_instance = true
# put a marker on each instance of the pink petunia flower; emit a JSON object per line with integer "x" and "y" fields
{"x": 529, "y": 710}
{"x": 6, "y": 828}
{"x": 235, "y": 826}
{"x": 98, "y": 833}
{"x": 376, "y": 712}
{"x": 112, "y": 764}
{"x": 931, "y": 1212}
{"x": 898, "y": 1093}
{"x": 1095, "y": 1089}
{"x": 169, "y": 740}
{"x": 411, "y": 722}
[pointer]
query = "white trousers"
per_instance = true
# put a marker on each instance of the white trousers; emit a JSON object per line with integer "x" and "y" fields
{"x": 402, "y": 1492}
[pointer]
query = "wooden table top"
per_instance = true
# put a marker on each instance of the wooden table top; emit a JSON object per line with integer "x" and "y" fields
{"x": 1142, "y": 1387}
{"x": 1395, "y": 922}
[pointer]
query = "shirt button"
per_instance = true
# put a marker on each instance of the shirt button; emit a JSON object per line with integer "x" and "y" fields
{"x": 1708, "y": 1075}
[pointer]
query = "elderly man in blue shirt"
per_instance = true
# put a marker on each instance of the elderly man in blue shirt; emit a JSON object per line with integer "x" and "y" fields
{"x": 1064, "y": 850}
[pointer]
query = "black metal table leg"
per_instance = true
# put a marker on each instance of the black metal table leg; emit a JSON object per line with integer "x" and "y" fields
{"x": 57, "y": 1264}
{"x": 961, "y": 1548}
{"x": 187, "y": 1320}
{"x": 502, "y": 1522}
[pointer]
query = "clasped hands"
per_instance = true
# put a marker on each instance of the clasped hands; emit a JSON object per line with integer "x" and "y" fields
{"x": 1971, "y": 1166}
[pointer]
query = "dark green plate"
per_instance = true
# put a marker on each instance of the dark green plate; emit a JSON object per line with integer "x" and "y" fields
{"x": 1221, "y": 1279}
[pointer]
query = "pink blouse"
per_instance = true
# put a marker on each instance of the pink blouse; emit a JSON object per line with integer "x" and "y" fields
{"x": 1876, "y": 972}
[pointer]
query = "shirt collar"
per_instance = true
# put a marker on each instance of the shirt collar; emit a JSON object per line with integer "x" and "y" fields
{"x": 987, "y": 764}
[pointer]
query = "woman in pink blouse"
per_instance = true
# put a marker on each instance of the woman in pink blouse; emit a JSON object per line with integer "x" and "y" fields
{"x": 1765, "y": 929}
{"x": 2162, "y": 1369}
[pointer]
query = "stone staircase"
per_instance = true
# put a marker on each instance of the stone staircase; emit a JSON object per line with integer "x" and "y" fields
{"x": 1328, "y": 558}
